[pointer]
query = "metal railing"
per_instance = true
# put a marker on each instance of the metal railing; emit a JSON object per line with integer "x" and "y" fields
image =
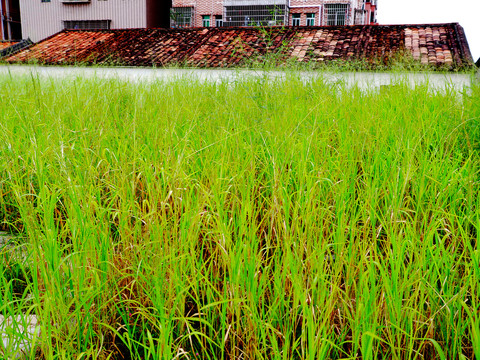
{"x": 336, "y": 14}
{"x": 256, "y": 15}
{"x": 182, "y": 17}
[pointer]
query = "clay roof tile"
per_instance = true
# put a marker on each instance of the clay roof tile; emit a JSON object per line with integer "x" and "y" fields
{"x": 219, "y": 47}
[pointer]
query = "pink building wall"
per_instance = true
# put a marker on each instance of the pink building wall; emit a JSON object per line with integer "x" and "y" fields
{"x": 371, "y": 12}
{"x": 306, "y": 7}
{"x": 202, "y": 8}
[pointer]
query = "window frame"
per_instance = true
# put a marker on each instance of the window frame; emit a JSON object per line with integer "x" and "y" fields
{"x": 337, "y": 14}
{"x": 310, "y": 19}
{"x": 206, "y": 20}
{"x": 296, "y": 19}
{"x": 181, "y": 17}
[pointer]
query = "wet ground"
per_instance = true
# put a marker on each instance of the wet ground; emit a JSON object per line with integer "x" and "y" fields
{"x": 17, "y": 332}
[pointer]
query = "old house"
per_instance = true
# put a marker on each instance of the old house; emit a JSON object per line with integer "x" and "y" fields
{"x": 42, "y": 18}
{"x": 218, "y": 13}
{"x": 436, "y": 45}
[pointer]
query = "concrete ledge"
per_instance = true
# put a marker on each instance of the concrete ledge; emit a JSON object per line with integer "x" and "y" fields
{"x": 362, "y": 80}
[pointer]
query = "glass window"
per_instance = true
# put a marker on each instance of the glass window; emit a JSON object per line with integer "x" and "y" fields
{"x": 337, "y": 14}
{"x": 256, "y": 15}
{"x": 310, "y": 19}
{"x": 218, "y": 20}
{"x": 296, "y": 19}
{"x": 181, "y": 17}
{"x": 206, "y": 20}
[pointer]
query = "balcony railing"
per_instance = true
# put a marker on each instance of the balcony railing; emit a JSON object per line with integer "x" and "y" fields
{"x": 256, "y": 15}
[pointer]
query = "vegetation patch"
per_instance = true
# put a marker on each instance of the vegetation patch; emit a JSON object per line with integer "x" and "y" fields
{"x": 258, "y": 219}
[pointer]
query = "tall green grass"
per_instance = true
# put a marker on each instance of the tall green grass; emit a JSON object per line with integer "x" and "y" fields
{"x": 256, "y": 219}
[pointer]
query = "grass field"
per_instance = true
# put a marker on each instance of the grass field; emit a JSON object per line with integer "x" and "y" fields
{"x": 250, "y": 220}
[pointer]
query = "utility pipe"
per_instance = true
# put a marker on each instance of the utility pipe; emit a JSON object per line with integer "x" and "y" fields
{"x": 1, "y": 19}
{"x": 7, "y": 10}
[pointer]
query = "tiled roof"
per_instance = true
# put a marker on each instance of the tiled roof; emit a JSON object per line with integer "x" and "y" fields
{"x": 434, "y": 44}
{"x": 5, "y": 44}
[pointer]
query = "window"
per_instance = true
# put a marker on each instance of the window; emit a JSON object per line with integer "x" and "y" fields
{"x": 295, "y": 19}
{"x": 310, "y": 19}
{"x": 218, "y": 20}
{"x": 206, "y": 20}
{"x": 45, "y": 0}
{"x": 87, "y": 24}
{"x": 256, "y": 15}
{"x": 337, "y": 14}
{"x": 181, "y": 17}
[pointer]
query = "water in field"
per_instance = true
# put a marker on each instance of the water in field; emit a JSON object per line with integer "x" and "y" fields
{"x": 16, "y": 332}
{"x": 5, "y": 237}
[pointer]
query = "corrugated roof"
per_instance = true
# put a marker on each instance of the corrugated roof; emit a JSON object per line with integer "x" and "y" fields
{"x": 434, "y": 44}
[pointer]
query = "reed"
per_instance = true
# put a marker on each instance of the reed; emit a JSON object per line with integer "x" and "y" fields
{"x": 258, "y": 219}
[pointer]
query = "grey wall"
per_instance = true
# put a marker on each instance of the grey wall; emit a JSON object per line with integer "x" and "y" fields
{"x": 42, "y": 19}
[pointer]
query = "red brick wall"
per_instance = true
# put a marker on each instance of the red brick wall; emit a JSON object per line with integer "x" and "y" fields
{"x": 202, "y": 7}
{"x": 303, "y": 11}
{"x": 215, "y": 7}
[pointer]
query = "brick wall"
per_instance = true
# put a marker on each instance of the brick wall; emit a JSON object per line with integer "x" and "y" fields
{"x": 302, "y": 7}
{"x": 303, "y": 10}
{"x": 202, "y": 8}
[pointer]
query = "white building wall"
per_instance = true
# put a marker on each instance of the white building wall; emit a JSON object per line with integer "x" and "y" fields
{"x": 42, "y": 19}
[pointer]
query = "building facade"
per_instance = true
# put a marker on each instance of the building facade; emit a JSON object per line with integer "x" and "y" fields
{"x": 42, "y": 18}
{"x": 208, "y": 13}
{"x": 10, "y": 28}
